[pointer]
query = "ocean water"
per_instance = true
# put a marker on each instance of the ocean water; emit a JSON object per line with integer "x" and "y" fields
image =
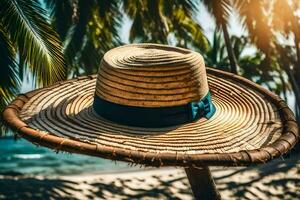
{"x": 23, "y": 157}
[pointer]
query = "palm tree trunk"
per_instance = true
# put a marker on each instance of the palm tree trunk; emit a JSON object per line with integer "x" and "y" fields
{"x": 231, "y": 56}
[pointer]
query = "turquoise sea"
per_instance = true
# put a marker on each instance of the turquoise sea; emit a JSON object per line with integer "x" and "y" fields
{"x": 23, "y": 157}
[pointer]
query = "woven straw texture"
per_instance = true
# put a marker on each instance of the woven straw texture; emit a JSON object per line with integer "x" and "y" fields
{"x": 251, "y": 125}
{"x": 151, "y": 75}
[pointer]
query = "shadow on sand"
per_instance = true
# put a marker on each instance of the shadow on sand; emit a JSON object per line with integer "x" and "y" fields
{"x": 13, "y": 187}
{"x": 275, "y": 180}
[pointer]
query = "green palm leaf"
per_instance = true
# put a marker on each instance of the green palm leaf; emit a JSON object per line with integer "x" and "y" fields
{"x": 187, "y": 29}
{"x": 9, "y": 80}
{"x": 37, "y": 43}
{"x": 61, "y": 13}
{"x": 95, "y": 31}
{"x": 78, "y": 31}
{"x": 219, "y": 9}
{"x": 107, "y": 20}
{"x": 165, "y": 21}
{"x": 190, "y": 7}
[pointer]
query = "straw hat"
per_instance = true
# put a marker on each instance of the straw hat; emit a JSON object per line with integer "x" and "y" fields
{"x": 157, "y": 105}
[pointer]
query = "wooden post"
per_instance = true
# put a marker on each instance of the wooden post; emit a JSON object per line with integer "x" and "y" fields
{"x": 202, "y": 183}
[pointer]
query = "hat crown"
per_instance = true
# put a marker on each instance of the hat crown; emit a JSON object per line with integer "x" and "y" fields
{"x": 151, "y": 75}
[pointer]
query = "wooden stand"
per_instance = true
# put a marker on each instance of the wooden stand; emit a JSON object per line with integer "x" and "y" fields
{"x": 202, "y": 184}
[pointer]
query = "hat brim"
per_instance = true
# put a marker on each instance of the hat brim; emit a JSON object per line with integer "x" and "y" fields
{"x": 251, "y": 125}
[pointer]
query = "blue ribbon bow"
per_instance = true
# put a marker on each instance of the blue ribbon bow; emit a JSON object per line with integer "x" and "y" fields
{"x": 202, "y": 108}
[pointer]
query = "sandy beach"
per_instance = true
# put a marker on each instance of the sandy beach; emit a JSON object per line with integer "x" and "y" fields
{"x": 279, "y": 179}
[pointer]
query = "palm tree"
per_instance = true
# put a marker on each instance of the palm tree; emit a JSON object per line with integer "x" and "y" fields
{"x": 287, "y": 23}
{"x": 252, "y": 66}
{"x": 256, "y": 17}
{"x": 88, "y": 29}
{"x": 216, "y": 55}
{"x": 165, "y": 21}
{"x": 27, "y": 40}
{"x": 25, "y": 25}
{"x": 253, "y": 17}
{"x": 220, "y": 10}
{"x": 9, "y": 79}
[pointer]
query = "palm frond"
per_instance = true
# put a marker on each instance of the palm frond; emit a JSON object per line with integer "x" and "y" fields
{"x": 9, "y": 81}
{"x": 216, "y": 55}
{"x": 158, "y": 26}
{"x": 110, "y": 19}
{"x": 89, "y": 58}
{"x": 137, "y": 32}
{"x": 78, "y": 31}
{"x": 35, "y": 39}
{"x": 132, "y": 7}
{"x": 135, "y": 9}
{"x": 95, "y": 32}
{"x": 159, "y": 20}
{"x": 149, "y": 21}
{"x": 190, "y": 7}
{"x": 187, "y": 29}
{"x": 62, "y": 15}
{"x": 239, "y": 45}
{"x": 253, "y": 17}
{"x": 219, "y": 9}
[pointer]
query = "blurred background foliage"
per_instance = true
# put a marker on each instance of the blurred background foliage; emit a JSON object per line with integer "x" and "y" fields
{"x": 59, "y": 39}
